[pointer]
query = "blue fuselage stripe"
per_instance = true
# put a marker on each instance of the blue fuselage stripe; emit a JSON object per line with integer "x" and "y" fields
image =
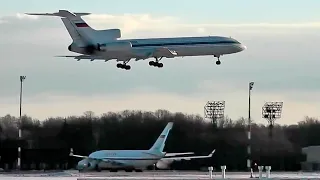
{"x": 182, "y": 43}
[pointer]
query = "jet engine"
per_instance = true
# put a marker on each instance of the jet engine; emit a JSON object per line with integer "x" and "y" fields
{"x": 115, "y": 46}
{"x": 86, "y": 164}
{"x": 163, "y": 164}
{"x": 85, "y": 50}
{"x": 91, "y": 165}
{"x": 90, "y": 49}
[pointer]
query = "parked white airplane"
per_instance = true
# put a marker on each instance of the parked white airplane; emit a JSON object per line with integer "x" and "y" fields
{"x": 129, "y": 160}
{"x": 105, "y": 44}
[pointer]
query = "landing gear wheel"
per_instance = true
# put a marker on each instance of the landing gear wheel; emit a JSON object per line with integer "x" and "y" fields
{"x": 156, "y": 63}
{"x": 151, "y": 63}
{"x": 124, "y": 66}
{"x": 218, "y": 62}
{"x": 127, "y": 67}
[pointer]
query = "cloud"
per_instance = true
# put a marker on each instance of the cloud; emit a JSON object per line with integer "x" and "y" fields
{"x": 282, "y": 59}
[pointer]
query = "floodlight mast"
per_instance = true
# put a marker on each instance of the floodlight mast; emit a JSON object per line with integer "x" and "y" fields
{"x": 271, "y": 111}
{"x": 249, "y": 130}
{"x": 214, "y": 110}
{"x": 22, "y": 78}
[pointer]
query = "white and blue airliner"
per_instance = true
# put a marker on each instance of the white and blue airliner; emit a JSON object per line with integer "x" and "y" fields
{"x": 106, "y": 44}
{"x": 134, "y": 160}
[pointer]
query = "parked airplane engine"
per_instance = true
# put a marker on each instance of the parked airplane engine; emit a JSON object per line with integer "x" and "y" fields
{"x": 116, "y": 46}
{"x": 91, "y": 164}
{"x": 87, "y": 164}
{"x": 163, "y": 164}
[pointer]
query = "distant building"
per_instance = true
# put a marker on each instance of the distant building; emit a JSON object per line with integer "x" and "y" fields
{"x": 312, "y": 162}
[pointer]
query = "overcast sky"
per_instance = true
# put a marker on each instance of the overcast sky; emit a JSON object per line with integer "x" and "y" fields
{"x": 282, "y": 59}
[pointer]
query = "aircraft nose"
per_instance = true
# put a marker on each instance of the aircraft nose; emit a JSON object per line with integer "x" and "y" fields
{"x": 239, "y": 47}
{"x": 242, "y": 47}
{"x": 80, "y": 166}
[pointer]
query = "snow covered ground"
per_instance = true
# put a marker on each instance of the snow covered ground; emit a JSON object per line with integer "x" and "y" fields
{"x": 162, "y": 175}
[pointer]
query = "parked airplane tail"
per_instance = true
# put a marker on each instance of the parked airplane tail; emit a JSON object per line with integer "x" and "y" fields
{"x": 158, "y": 146}
{"x": 81, "y": 33}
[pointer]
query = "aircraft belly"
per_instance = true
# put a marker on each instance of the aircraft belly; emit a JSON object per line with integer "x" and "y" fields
{"x": 128, "y": 163}
{"x": 202, "y": 50}
{"x": 144, "y": 163}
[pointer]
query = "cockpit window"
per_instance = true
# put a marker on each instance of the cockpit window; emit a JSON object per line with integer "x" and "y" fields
{"x": 234, "y": 41}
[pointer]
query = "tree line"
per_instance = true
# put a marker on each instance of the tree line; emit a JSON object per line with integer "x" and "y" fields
{"x": 46, "y": 143}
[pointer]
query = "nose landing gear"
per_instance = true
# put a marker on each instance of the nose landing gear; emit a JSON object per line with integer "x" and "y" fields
{"x": 218, "y": 62}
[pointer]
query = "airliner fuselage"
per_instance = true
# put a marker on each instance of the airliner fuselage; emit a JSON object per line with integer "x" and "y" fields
{"x": 183, "y": 46}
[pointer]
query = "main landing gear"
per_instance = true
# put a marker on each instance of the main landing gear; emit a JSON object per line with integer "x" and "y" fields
{"x": 124, "y": 66}
{"x": 218, "y": 62}
{"x": 156, "y": 63}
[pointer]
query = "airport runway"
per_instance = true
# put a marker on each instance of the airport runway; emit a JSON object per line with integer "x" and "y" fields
{"x": 158, "y": 175}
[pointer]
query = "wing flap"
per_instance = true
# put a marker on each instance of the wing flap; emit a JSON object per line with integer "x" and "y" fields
{"x": 165, "y": 52}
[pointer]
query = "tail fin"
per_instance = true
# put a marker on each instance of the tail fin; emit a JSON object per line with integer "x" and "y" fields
{"x": 159, "y": 144}
{"x": 76, "y": 37}
{"x": 80, "y": 31}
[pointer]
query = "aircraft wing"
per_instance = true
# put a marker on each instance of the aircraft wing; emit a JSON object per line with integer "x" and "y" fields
{"x": 79, "y": 156}
{"x": 188, "y": 157}
{"x": 92, "y": 58}
{"x": 143, "y": 54}
{"x": 178, "y": 154}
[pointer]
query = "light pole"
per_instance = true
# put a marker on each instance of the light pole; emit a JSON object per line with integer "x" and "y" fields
{"x": 249, "y": 128}
{"x": 22, "y": 78}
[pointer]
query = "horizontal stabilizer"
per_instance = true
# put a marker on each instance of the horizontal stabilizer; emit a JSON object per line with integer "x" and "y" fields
{"x": 61, "y": 13}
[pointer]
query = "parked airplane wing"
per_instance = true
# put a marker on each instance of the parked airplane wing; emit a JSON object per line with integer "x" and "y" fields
{"x": 188, "y": 157}
{"x": 79, "y": 156}
{"x": 178, "y": 154}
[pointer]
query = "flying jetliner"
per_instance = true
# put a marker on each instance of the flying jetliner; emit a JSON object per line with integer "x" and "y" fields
{"x": 106, "y": 44}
